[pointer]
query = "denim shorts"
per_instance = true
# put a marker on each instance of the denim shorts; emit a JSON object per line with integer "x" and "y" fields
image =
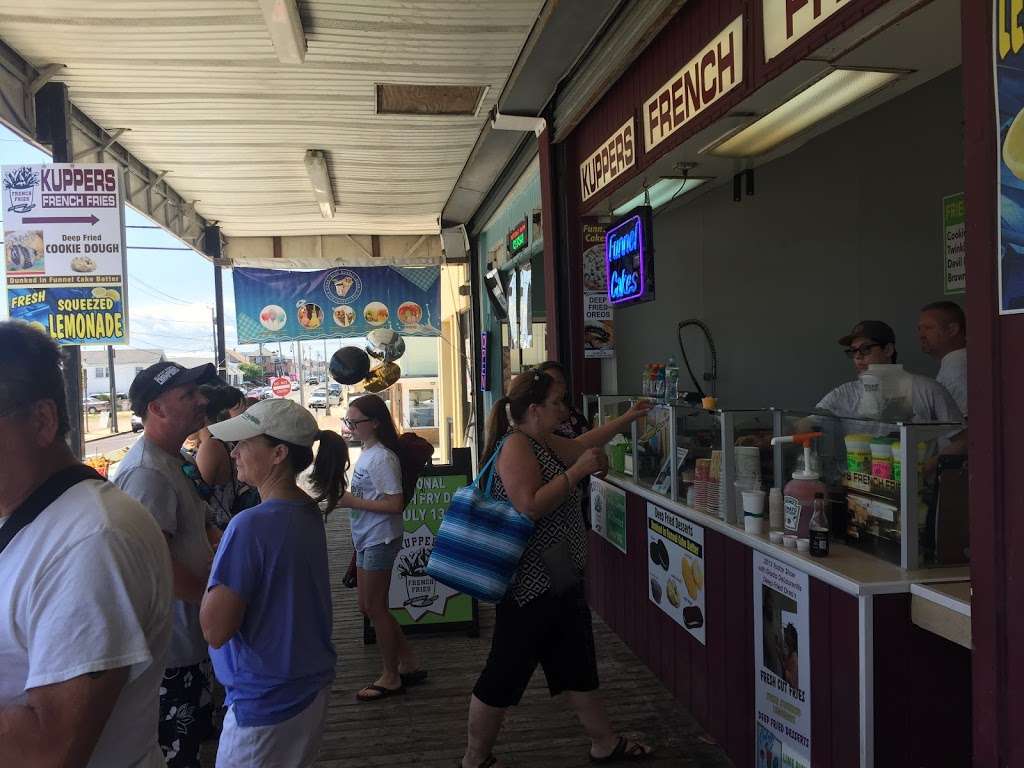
{"x": 379, "y": 557}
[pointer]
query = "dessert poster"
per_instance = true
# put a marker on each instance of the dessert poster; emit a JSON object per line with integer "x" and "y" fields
{"x": 675, "y": 567}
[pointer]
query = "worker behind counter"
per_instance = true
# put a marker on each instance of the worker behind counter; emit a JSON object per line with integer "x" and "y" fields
{"x": 942, "y": 331}
{"x": 873, "y": 342}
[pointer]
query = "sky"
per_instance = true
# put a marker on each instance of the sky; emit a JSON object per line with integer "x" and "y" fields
{"x": 170, "y": 290}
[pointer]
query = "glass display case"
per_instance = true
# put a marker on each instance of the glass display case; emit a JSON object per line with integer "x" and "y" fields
{"x": 897, "y": 490}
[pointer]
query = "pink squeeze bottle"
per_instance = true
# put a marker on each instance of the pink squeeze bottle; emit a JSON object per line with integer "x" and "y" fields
{"x": 798, "y": 495}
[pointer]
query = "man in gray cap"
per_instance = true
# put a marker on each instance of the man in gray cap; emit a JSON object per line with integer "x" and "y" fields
{"x": 872, "y": 342}
{"x": 167, "y": 398}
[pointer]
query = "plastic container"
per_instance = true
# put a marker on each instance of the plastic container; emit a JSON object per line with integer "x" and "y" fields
{"x": 803, "y": 545}
{"x": 753, "y": 524}
{"x": 858, "y": 454}
{"x": 881, "y": 458}
{"x": 789, "y": 540}
{"x": 617, "y": 453}
{"x": 776, "y": 516}
{"x": 897, "y": 464}
{"x": 776, "y": 537}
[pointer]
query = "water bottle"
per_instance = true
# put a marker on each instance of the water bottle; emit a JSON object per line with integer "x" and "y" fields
{"x": 671, "y": 380}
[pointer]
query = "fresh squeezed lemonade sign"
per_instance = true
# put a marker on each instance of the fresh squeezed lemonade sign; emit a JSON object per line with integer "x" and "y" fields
{"x": 64, "y": 250}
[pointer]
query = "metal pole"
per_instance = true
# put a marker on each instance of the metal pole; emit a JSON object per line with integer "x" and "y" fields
{"x": 212, "y": 246}
{"x": 113, "y": 389}
{"x": 327, "y": 384}
{"x": 302, "y": 383}
{"x": 53, "y": 127}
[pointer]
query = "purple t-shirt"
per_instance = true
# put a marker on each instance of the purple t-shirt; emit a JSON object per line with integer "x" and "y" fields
{"x": 274, "y": 555}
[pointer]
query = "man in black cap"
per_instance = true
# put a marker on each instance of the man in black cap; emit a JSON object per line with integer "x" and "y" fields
{"x": 166, "y": 397}
{"x": 873, "y": 342}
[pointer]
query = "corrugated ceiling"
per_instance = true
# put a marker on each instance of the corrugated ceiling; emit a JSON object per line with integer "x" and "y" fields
{"x": 204, "y": 96}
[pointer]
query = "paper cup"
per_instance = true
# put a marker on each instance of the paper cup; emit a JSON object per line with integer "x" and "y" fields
{"x": 803, "y": 545}
{"x": 753, "y": 525}
{"x": 753, "y": 503}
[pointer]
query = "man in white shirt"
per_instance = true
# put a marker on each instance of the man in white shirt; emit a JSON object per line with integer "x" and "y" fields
{"x": 85, "y": 586}
{"x": 870, "y": 342}
{"x": 155, "y": 473}
{"x": 942, "y": 330}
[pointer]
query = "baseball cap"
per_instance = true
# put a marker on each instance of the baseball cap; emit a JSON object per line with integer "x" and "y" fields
{"x": 160, "y": 377}
{"x": 278, "y": 418}
{"x": 875, "y": 330}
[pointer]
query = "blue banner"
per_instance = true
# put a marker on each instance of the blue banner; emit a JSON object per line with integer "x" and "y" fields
{"x": 344, "y": 302}
{"x": 1009, "y": 71}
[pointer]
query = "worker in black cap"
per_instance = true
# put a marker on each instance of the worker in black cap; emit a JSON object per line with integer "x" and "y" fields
{"x": 872, "y": 342}
{"x": 156, "y": 473}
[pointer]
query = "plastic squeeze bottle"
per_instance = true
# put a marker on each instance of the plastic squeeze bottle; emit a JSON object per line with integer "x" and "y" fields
{"x": 798, "y": 501}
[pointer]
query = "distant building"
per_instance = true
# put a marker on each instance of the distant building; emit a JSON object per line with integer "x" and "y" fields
{"x": 127, "y": 364}
{"x": 234, "y": 373}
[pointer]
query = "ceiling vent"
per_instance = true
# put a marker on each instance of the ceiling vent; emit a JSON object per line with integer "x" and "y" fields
{"x": 405, "y": 99}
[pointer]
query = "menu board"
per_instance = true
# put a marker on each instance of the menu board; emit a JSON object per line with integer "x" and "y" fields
{"x": 64, "y": 251}
{"x": 608, "y": 512}
{"x": 675, "y": 566}
{"x": 782, "y": 665}
{"x": 414, "y": 597}
{"x": 598, "y": 325}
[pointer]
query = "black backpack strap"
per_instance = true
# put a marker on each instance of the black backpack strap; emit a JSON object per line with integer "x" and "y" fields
{"x": 42, "y": 497}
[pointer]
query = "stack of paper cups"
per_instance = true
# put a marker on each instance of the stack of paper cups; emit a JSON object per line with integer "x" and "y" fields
{"x": 753, "y": 511}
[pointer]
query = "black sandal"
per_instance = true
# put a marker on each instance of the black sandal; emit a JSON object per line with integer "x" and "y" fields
{"x": 379, "y": 692}
{"x": 620, "y": 754}
{"x": 488, "y": 762}
{"x": 410, "y": 679}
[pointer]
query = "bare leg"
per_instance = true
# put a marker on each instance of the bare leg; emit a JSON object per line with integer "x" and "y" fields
{"x": 484, "y": 724}
{"x": 590, "y": 709}
{"x": 373, "y": 602}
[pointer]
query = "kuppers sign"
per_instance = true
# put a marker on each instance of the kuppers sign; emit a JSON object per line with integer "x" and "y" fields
{"x": 786, "y": 21}
{"x": 64, "y": 250}
{"x": 706, "y": 78}
{"x": 615, "y": 156}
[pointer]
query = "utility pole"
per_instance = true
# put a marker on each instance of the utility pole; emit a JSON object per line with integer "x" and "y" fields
{"x": 113, "y": 389}
{"x": 212, "y": 246}
{"x": 53, "y": 127}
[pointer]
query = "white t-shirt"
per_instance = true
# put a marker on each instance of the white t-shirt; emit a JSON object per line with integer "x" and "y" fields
{"x": 953, "y": 376}
{"x": 931, "y": 401}
{"x": 377, "y": 473}
{"x": 87, "y": 587}
{"x": 155, "y": 479}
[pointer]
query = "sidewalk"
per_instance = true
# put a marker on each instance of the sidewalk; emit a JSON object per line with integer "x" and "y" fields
{"x": 97, "y": 425}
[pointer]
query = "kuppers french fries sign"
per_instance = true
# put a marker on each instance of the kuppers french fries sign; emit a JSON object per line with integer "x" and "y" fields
{"x": 64, "y": 251}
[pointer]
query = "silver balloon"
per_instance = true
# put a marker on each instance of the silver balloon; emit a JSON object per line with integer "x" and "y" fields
{"x": 385, "y": 344}
{"x": 382, "y": 377}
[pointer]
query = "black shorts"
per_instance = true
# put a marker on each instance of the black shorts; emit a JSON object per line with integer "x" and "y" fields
{"x": 555, "y": 632}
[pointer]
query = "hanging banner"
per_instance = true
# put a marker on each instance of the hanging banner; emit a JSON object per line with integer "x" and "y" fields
{"x": 64, "y": 251}
{"x": 598, "y": 325}
{"x": 1009, "y": 82}
{"x": 345, "y": 302}
{"x": 525, "y": 306}
{"x": 608, "y": 512}
{"x": 414, "y": 597}
{"x": 954, "y": 251}
{"x": 782, "y": 665}
{"x": 675, "y": 565}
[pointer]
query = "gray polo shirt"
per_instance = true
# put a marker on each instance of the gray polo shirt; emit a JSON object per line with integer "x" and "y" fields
{"x": 155, "y": 478}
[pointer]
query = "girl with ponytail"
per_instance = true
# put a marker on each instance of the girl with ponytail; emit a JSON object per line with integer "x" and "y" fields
{"x": 544, "y": 616}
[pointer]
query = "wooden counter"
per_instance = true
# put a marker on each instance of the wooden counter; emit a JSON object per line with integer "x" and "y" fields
{"x": 944, "y": 609}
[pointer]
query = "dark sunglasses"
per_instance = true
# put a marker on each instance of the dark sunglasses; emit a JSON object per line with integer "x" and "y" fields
{"x": 860, "y": 351}
{"x": 352, "y": 422}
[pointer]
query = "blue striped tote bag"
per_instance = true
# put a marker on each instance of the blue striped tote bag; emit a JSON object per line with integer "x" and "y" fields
{"x": 480, "y": 541}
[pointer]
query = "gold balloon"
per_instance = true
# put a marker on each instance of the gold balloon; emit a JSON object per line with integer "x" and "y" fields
{"x": 382, "y": 377}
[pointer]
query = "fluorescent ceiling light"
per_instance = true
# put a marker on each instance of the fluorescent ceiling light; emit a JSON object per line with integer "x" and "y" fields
{"x": 661, "y": 192}
{"x": 285, "y": 26}
{"x": 832, "y": 93}
{"x": 323, "y": 192}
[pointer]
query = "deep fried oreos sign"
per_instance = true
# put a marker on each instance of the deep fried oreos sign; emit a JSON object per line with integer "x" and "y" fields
{"x": 629, "y": 259}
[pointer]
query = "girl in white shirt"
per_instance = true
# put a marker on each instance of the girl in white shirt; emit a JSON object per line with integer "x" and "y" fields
{"x": 376, "y": 502}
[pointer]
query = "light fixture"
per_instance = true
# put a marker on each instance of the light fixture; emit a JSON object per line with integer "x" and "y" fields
{"x": 661, "y": 192}
{"x": 500, "y": 122}
{"x": 832, "y": 93}
{"x": 323, "y": 192}
{"x": 285, "y": 27}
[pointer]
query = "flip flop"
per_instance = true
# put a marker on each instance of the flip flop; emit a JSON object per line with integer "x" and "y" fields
{"x": 380, "y": 691}
{"x": 488, "y": 762}
{"x": 410, "y": 679}
{"x": 620, "y": 754}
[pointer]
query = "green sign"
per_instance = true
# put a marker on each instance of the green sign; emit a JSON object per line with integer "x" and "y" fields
{"x": 415, "y": 598}
{"x": 518, "y": 238}
{"x": 954, "y": 252}
{"x": 608, "y": 512}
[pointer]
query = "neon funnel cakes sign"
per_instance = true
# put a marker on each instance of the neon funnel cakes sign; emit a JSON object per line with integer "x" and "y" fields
{"x": 626, "y": 249}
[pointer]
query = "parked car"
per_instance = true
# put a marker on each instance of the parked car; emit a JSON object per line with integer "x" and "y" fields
{"x": 295, "y": 386}
{"x": 334, "y": 388}
{"x": 318, "y": 399}
{"x": 136, "y": 423}
{"x": 313, "y": 381}
{"x": 95, "y": 405}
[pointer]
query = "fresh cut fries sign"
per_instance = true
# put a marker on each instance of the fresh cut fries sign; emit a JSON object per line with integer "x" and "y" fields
{"x": 64, "y": 250}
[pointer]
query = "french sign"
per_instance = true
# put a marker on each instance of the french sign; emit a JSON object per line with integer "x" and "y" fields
{"x": 705, "y": 78}
{"x": 782, "y": 664}
{"x": 954, "y": 250}
{"x": 64, "y": 250}
{"x": 786, "y": 21}
{"x": 615, "y": 156}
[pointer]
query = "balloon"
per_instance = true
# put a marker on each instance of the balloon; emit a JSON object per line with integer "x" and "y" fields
{"x": 349, "y": 365}
{"x": 385, "y": 344}
{"x": 382, "y": 377}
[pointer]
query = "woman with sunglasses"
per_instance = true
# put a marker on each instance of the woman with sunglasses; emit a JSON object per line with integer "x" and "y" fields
{"x": 267, "y": 611}
{"x": 376, "y": 502}
{"x": 544, "y": 618}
